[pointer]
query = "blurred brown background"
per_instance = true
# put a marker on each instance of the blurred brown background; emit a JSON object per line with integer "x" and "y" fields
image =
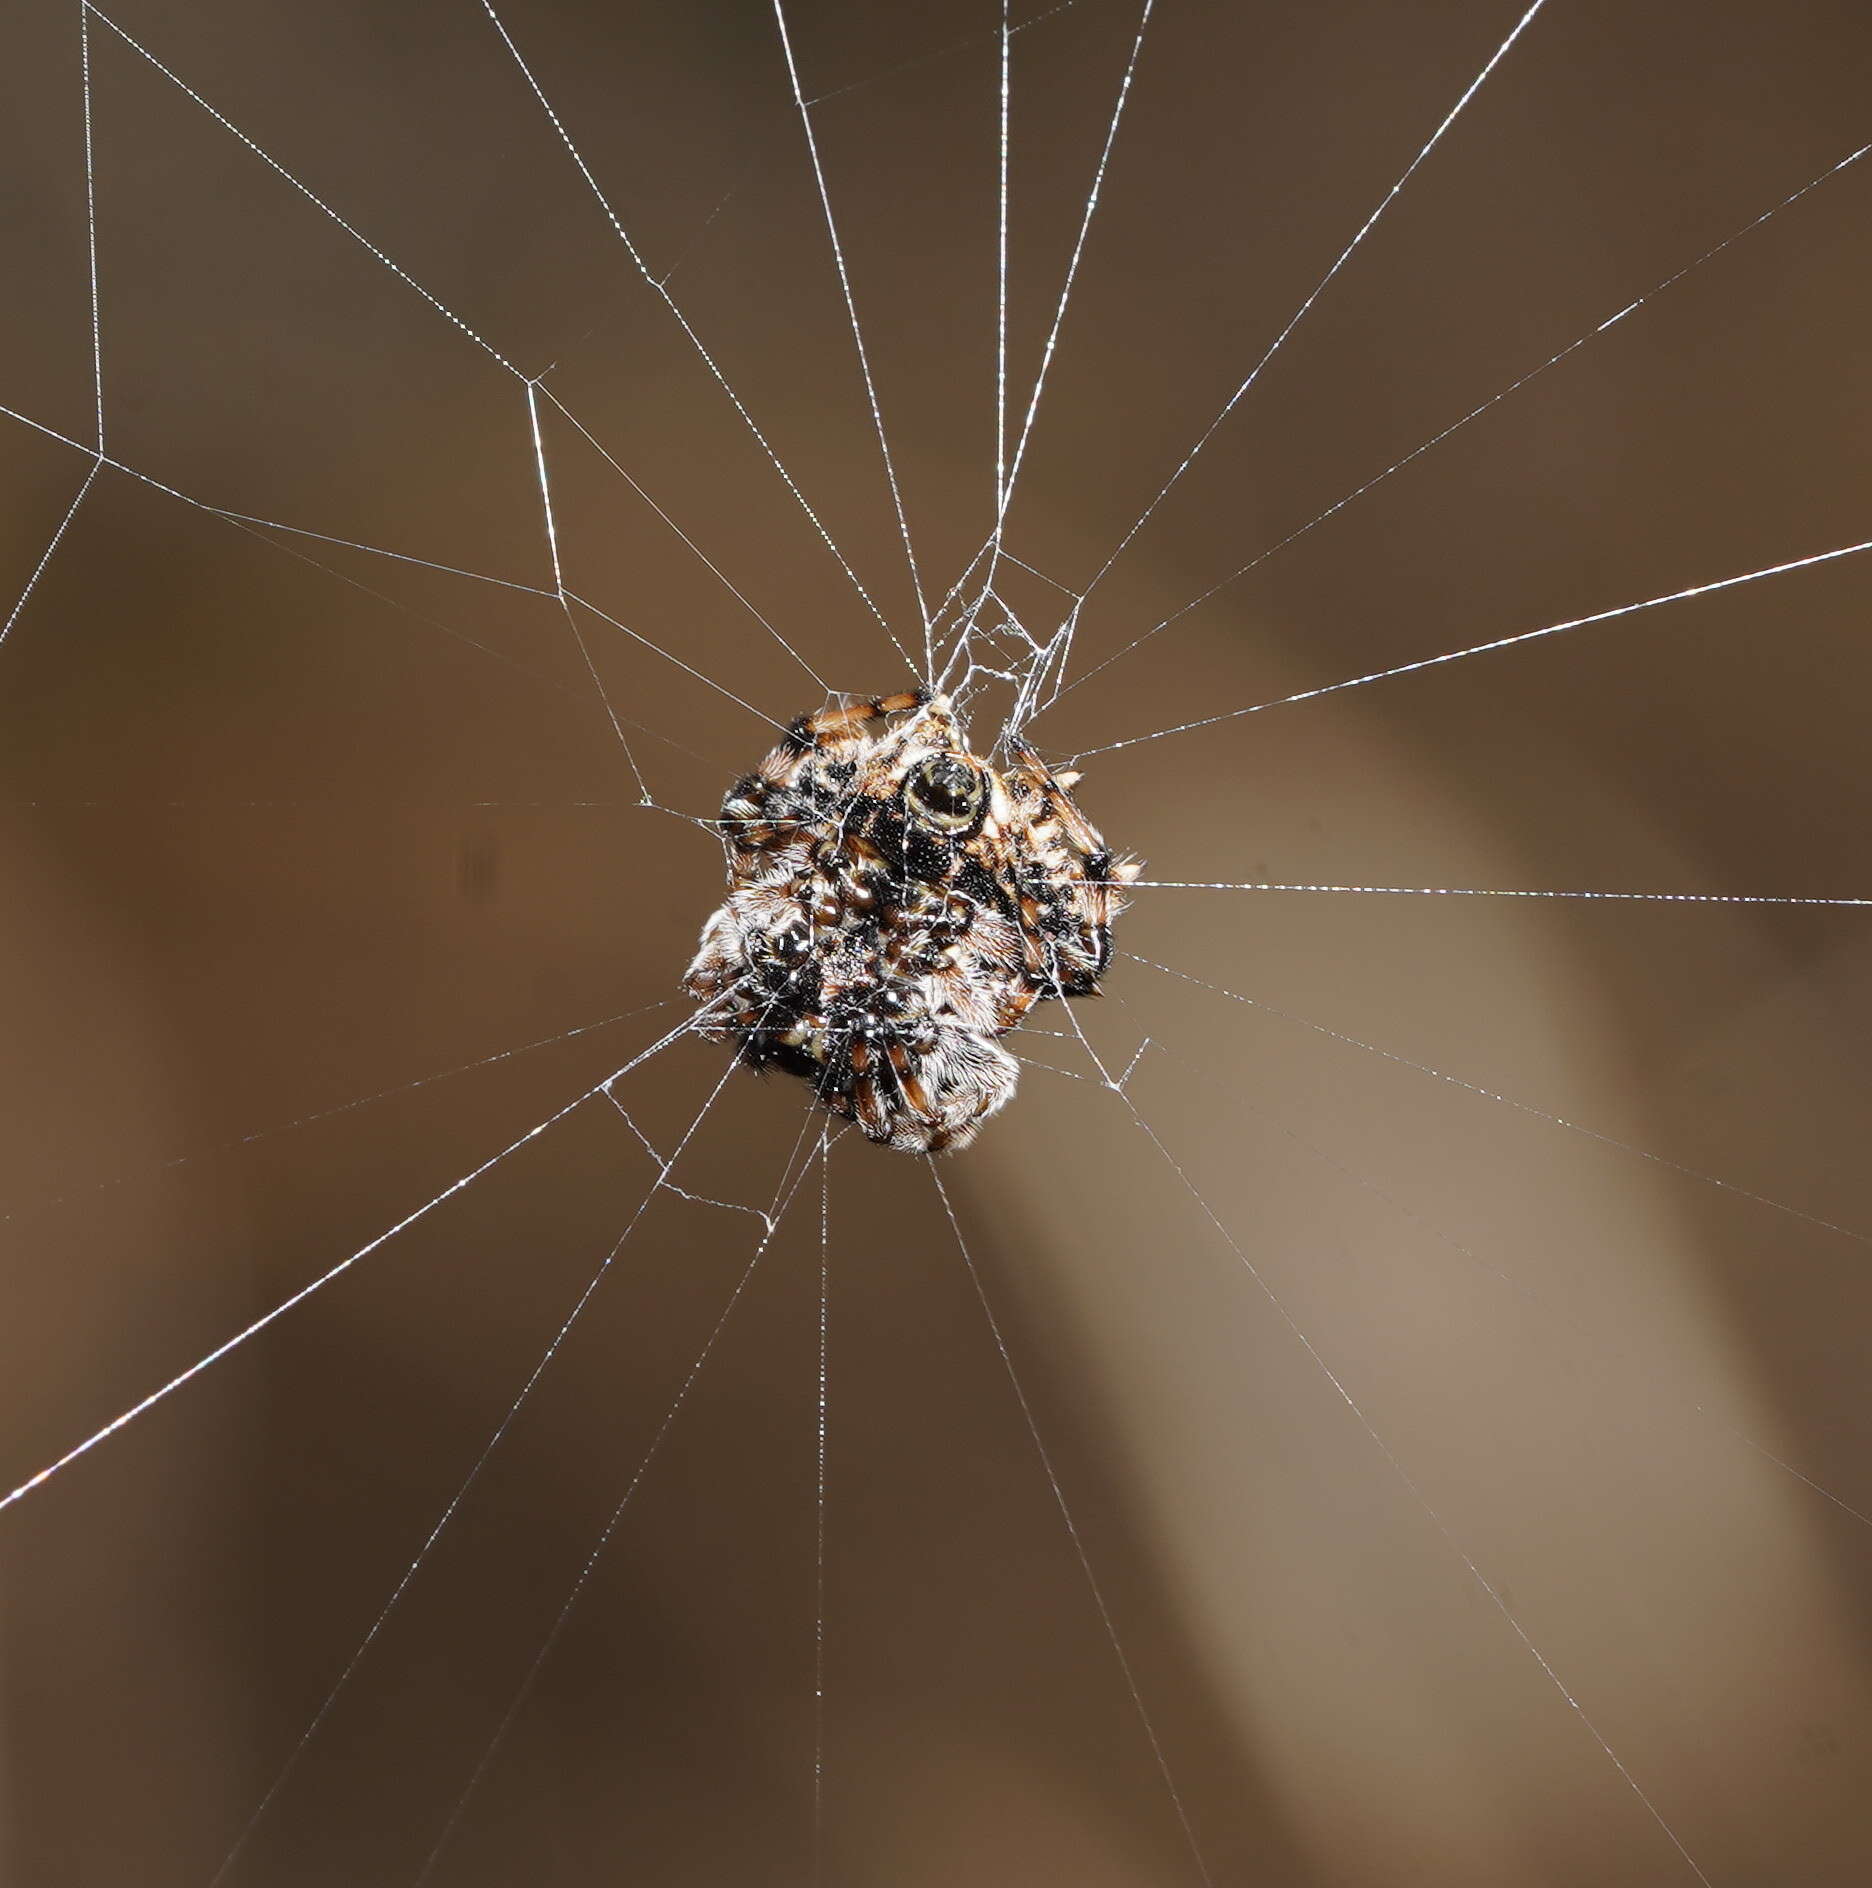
{"x": 291, "y": 829}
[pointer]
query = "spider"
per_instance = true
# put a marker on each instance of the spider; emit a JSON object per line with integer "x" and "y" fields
{"x": 896, "y": 903}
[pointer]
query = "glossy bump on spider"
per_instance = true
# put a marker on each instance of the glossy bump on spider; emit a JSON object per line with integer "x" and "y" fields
{"x": 895, "y": 905}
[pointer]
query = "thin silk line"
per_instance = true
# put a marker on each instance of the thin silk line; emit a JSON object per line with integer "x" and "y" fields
{"x": 258, "y": 529}
{"x": 1072, "y": 1526}
{"x": 1020, "y": 563}
{"x": 325, "y": 1114}
{"x": 585, "y": 603}
{"x": 38, "y": 571}
{"x": 1001, "y": 273}
{"x": 422, "y": 616}
{"x": 259, "y": 1324}
{"x": 1423, "y": 1501}
{"x": 1072, "y": 272}
{"x": 306, "y": 191}
{"x": 930, "y": 58}
{"x": 259, "y": 526}
{"x": 1493, "y": 891}
{"x": 819, "y": 1524}
{"x": 1499, "y": 642}
{"x": 669, "y": 301}
{"x": 727, "y": 582}
{"x": 267, "y": 524}
{"x": 525, "y": 1687}
{"x": 90, "y": 169}
{"x": 327, "y": 537}
{"x": 1319, "y": 288}
{"x": 462, "y": 1491}
{"x": 1615, "y": 1347}
{"x": 1398, "y": 1468}
{"x": 1509, "y": 1101}
{"x": 656, "y": 1154}
{"x": 424, "y": 806}
{"x": 851, "y": 310}
{"x": 559, "y": 590}
{"x": 404, "y": 276}
{"x": 1475, "y": 412}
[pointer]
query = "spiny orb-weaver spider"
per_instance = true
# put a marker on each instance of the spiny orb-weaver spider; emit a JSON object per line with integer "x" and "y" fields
{"x": 897, "y": 903}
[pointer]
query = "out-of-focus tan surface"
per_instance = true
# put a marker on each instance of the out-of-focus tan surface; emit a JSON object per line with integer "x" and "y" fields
{"x": 1476, "y": 1500}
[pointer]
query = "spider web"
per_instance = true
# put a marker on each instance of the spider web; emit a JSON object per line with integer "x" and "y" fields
{"x": 1417, "y": 470}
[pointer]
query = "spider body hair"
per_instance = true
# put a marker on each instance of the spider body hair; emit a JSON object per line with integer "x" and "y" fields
{"x": 896, "y": 905}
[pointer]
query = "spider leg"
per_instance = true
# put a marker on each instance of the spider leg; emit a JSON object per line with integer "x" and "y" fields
{"x": 846, "y": 721}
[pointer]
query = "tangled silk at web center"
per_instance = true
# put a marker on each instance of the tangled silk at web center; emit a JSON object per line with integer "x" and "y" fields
{"x": 896, "y": 904}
